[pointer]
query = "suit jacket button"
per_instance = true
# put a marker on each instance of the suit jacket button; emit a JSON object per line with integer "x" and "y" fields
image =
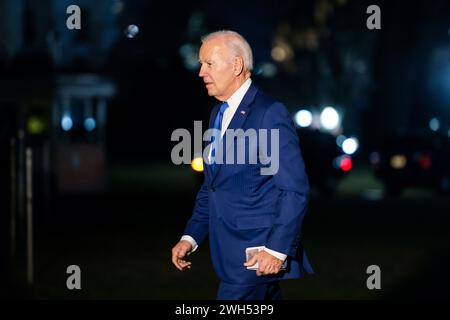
{"x": 213, "y": 189}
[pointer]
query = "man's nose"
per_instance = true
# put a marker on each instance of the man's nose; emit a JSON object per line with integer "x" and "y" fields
{"x": 201, "y": 72}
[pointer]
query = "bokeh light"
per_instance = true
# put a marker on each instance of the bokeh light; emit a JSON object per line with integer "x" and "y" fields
{"x": 329, "y": 118}
{"x": 132, "y": 31}
{"x": 303, "y": 118}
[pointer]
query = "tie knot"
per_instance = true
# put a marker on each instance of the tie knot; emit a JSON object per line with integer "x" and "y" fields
{"x": 223, "y": 107}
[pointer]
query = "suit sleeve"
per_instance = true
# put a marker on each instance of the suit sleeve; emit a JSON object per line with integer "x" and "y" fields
{"x": 290, "y": 179}
{"x": 198, "y": 225}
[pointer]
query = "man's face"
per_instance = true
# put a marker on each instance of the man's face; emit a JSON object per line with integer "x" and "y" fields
{"x": 217, "y": 69}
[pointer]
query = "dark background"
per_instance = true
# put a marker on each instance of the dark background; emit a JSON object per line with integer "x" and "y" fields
{"x": 116, "y": 205}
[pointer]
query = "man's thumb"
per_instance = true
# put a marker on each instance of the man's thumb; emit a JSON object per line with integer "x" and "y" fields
{"x": 252, "y": 261}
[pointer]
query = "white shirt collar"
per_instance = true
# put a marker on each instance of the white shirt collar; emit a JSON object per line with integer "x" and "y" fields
{"x": 235, "y": 100}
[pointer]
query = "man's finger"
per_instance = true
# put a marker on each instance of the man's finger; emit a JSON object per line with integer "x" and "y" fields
{"x": 268, "y": 269}
{"x": 263, "y": 265}
{"x": 183, "y": 264}
{"x": 175, "y": 262}
{"x": 252, "y": 261}
{"x": 264, "y": 269}
{"x": 177, "y": 254}
{"x": 275, "y": 269}
{"x": 179, "y": 263}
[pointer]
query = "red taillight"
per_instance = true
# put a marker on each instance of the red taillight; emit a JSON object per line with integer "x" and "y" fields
{"x": 346, "y": 164}
{"x": 425, "y": 161}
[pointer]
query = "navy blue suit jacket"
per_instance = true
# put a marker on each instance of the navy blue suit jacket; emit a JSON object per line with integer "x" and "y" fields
{"x": 239, "y": 208}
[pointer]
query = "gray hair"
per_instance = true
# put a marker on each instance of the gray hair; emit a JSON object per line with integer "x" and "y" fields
{"x": 236, "y": 43}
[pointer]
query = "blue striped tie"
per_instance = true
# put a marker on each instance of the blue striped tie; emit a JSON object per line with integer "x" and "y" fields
{"x": 216, "y": 137}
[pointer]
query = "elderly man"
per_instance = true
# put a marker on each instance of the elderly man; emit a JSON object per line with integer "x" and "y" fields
{"x": 238, "y": 207}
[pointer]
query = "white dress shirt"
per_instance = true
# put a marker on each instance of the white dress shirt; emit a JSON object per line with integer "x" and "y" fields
{"x": 233, "y": 103}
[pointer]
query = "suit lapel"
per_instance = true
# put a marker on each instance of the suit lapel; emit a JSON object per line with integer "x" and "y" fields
{"x": 237, "y": 122}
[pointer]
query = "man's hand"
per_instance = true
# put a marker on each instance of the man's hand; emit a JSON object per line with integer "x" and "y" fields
{"x": 267, "y": 263}
{"x": 179, "y": 252}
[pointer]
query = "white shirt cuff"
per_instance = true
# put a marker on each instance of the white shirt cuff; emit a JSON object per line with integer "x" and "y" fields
{"x": 191, "y": 241}
{"x": 276, "y": 254}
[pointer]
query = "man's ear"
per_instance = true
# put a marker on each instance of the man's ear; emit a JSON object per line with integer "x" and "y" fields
{"x": 238, "y": 66}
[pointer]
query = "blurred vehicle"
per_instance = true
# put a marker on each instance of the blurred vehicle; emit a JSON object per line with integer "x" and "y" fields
{"x": 413, "y": 160}
{"x": 326, "y": 151}
{"x": 325, "y": 161}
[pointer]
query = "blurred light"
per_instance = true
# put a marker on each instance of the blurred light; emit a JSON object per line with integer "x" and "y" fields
{"x": 374, "y": 158}
{"x": 329, "y": 118}
{"x": 434, "y": 124}
{"x": 117, "y": 7}
{"x": 425, "y": 161}
{"x": 35, "y": 125}
{"x": 343, "y": 163}
{"x": 75, "y": 160}
{"x": 195, "y": 24}
{"x": 346, "y": 163}
{"x": 131, "y": 31}
{"x": 190, "y": 56}
{"x": 373, "y": 194}
{"x": 191, "y": 62}
{"x": 445, "y": 184}
{"x": 185, "y": 49}
{"x": 350, "y": 145}
{"x": 337, "y": 163}
{"x": 448, "y": 133}
{"x": 438, "y": 84}
{"x": 398, "y": 161}
{"x": 360, "y": 66}
{"x": 303, "y": 118}
{"x": 267, "y": 70}
{"x": 310, "y": 38}
{"x": 340, "y": 140}
{"x": 197, "y": 164}
{"x": 66, "y": 123}
{"x": 282, "y": 52}
{"x": 279, "y": 54}
{"x": 89, "y": 124}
